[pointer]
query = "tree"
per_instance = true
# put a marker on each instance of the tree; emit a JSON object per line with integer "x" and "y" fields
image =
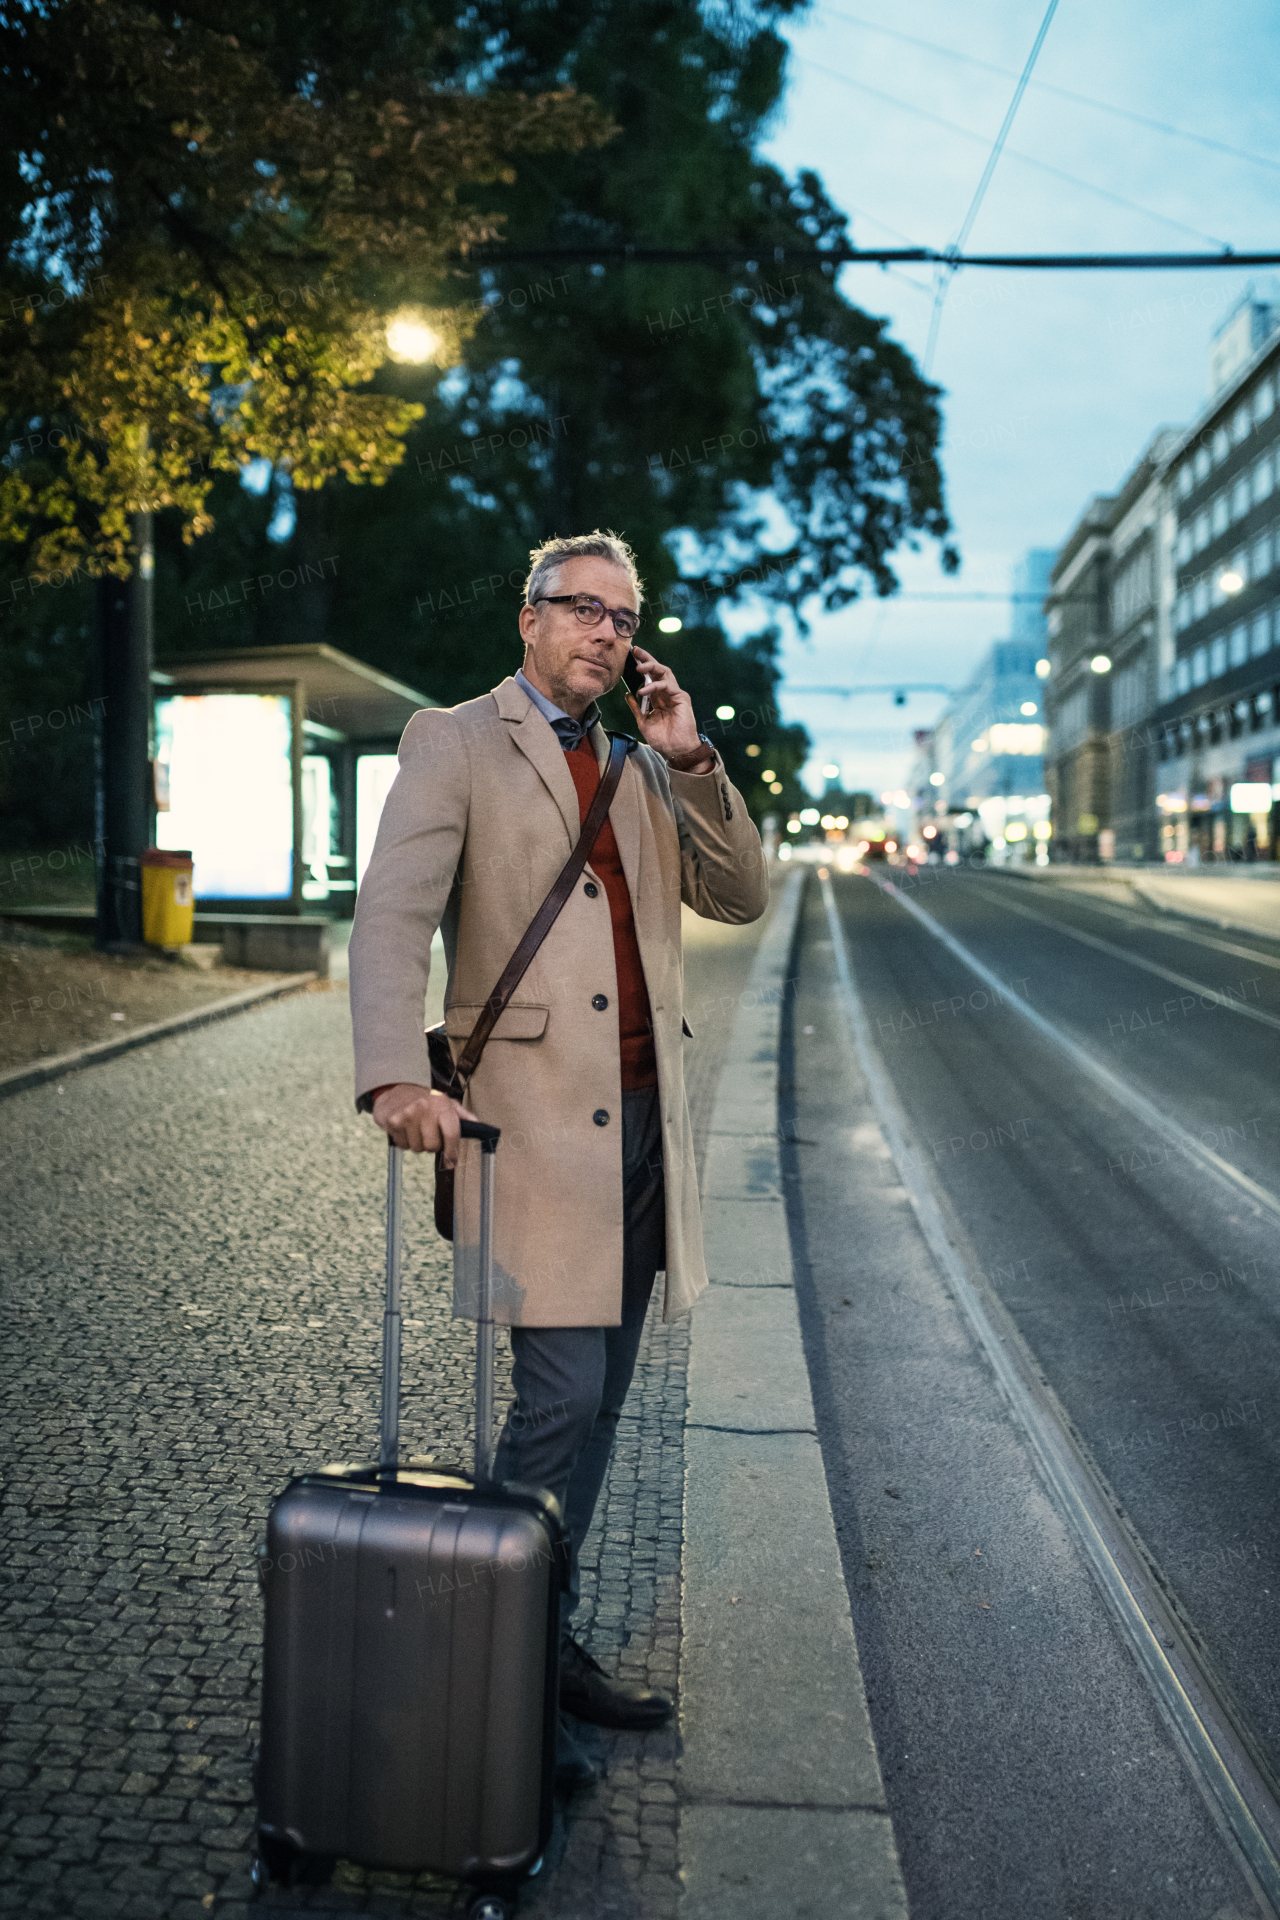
{"x": 204, "y": 240}
{"x": 202, "y": 255}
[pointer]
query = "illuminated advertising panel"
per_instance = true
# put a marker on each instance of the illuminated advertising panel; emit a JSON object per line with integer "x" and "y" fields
{"x": 230, "y": 783}
{"x": 374, "y": 775}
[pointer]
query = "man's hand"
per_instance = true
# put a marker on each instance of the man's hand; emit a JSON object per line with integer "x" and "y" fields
{"x": 669, "y": 726}
{"x": 421, "y": 1120}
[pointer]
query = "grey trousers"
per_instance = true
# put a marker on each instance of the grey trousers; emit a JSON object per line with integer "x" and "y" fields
{"x": 571, "y": 1382}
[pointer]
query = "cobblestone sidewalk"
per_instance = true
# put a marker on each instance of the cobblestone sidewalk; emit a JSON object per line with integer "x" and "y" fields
{"x": 192, "y": 1240}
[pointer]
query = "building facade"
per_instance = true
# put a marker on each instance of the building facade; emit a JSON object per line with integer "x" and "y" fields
{"x": 1218, "y": 684}
{"x": 1103, "y": 611}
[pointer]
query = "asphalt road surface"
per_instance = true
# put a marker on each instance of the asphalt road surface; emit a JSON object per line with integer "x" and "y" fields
{"x": 1028, "y": 1769}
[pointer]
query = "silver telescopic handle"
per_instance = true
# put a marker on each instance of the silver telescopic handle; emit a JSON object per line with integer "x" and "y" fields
{"x": 484, "y": 1318}
{"x": 389, "y": 1444}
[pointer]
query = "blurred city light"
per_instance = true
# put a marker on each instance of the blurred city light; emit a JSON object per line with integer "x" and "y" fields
{"x": 724, "y": 713}
{"x": 670, "y": 624}
{"x": 936, "y": 779}
{"x": 1101, "y": 663}
{"x": 1043, "y": 669}
{"x": 411, "y": 339}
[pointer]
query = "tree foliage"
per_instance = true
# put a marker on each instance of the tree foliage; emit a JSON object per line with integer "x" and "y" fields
{"x": 760, "y": 439}
{"x": 205, "y": 237}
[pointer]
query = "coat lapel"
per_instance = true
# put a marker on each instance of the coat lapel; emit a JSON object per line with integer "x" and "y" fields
{"x": 540, "y": 747}
{"x": 624, "y": 815}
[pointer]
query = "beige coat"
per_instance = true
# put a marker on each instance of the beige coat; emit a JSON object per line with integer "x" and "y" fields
{"x": 481, "y": 817}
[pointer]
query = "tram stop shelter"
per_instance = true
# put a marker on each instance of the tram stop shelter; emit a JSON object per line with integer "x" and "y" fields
{"x": 271, "y": 765}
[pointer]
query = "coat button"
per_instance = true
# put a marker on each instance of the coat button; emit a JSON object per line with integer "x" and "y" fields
{"x": 599, "y": 1001}
{"x": 591, "y": 889}
{"x": 601, "y": 1116}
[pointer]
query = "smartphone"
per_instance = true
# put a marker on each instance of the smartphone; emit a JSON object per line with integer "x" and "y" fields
{"x": 635, "y": 683}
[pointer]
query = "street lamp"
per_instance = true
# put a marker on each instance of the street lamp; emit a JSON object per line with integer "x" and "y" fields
{"x": 1231, "y": 581}
{"x": 1101, "y": 663}
{"x": 410, "y": 339}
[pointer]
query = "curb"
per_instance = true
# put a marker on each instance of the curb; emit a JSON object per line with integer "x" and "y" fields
{"x": 781, "y": 1803}
{"x": 38, "y": 1072}
{"x": 1137, "y": 882}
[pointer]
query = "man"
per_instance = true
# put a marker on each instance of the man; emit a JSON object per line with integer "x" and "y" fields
{"x": 584, "y": 1073}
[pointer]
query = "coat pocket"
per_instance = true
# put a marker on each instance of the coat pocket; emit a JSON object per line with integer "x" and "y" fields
{"x": 685, "y": 1028}
{"x": 519, "y": 1020}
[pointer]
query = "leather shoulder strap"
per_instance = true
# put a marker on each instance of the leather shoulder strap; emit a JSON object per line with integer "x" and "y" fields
{"x": 544, "y": 919}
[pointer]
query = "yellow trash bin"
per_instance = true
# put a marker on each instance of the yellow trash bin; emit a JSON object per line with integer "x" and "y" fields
{"x": 168, "y": 902}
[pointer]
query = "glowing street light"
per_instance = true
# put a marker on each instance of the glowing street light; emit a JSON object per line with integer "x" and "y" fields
{"x": 670, "y": 624}
{"x": 1231, "y": 581}
{"x": 1029, "y": 706}
{"x": 936, "y": 779}
{"x": 1101, "y": 663}
{"x": 410, "y": 339}
{"x": 1043, "y": 669}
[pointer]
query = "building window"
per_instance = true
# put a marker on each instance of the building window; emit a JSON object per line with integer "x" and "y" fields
{"x": 1240, "y": 423}
{"x": 1221, "y": 513}
{"x": 1199, "y": 667}
{"x": 1202, "y": 464}
{"x": 1202, "y": 530}
{"x": 1200, "y": 597}
{"x": 1239, "y": 647}
{"x": 1240, "y": 564}
{"x": 1263, "y": 400}
{"x": 1260, "y": 564}
{"x": 1262, "y": 480}
{"x": 1184, "y": 545}
{"x": 1186, "y": 480}
{"x": 1218, "y": 656}
{"x": 1221, "y": 446}
{"x": 1183, "y": 675}
{"x": 1182, "y": 611}
{"x": 1240, "y": 498}
{"x": 1261, "y": 635}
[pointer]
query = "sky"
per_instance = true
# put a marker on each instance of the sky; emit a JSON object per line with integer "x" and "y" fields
{"x": 1053, "y": 382}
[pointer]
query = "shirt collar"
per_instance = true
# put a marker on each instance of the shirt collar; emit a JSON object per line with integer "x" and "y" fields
{"x": 552, "y": 713}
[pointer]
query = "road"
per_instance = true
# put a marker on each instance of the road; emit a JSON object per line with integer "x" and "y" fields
{"x": 1105, "y": 1173}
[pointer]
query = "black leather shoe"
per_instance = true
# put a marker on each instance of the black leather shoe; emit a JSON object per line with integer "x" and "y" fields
{"x": 574, "y": 1766}
{"x": 587, "y": 1692}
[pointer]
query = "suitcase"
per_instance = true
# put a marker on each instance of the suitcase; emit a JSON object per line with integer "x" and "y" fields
{"x": 411, "y": 1653}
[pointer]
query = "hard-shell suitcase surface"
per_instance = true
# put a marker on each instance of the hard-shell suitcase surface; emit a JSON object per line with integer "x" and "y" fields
{"x": 410, "y": 1664}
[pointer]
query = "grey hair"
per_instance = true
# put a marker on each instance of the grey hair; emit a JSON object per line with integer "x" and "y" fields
{"x": 544, "y": 560}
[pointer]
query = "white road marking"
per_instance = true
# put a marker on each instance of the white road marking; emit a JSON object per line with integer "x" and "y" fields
{"x": 1132, "y": 959}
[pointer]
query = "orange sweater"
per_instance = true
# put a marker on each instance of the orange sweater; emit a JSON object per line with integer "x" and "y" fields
{"x": 635, "y": 1022}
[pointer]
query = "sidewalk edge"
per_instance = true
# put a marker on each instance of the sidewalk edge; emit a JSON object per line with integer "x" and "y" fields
{"x": 38, "y": 1072}
{"x": 781, "y": 1801}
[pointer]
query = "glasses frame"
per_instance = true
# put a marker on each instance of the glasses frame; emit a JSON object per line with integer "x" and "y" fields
{"x": 576, "y": 600}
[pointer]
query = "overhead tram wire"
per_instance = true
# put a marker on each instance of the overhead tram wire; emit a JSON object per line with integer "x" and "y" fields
{"x": 947, "y": 275}
{"x": 756, "y": 255}
{"x": 1027, "y": 159}
{"x": 1063, "y": 93}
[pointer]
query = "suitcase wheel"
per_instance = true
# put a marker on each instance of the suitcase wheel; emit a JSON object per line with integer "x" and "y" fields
{"x": 490, "y": 1906}
{"x": 277, "y": 1860}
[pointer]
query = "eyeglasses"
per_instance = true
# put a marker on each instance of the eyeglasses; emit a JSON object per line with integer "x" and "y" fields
{"x": 626, "y": 622}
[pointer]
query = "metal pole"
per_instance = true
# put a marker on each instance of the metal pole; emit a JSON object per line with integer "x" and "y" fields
{"x": 484, "y": 1318}
{"x": 389, "y": 1447}
{"x": 125, "y": 628}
